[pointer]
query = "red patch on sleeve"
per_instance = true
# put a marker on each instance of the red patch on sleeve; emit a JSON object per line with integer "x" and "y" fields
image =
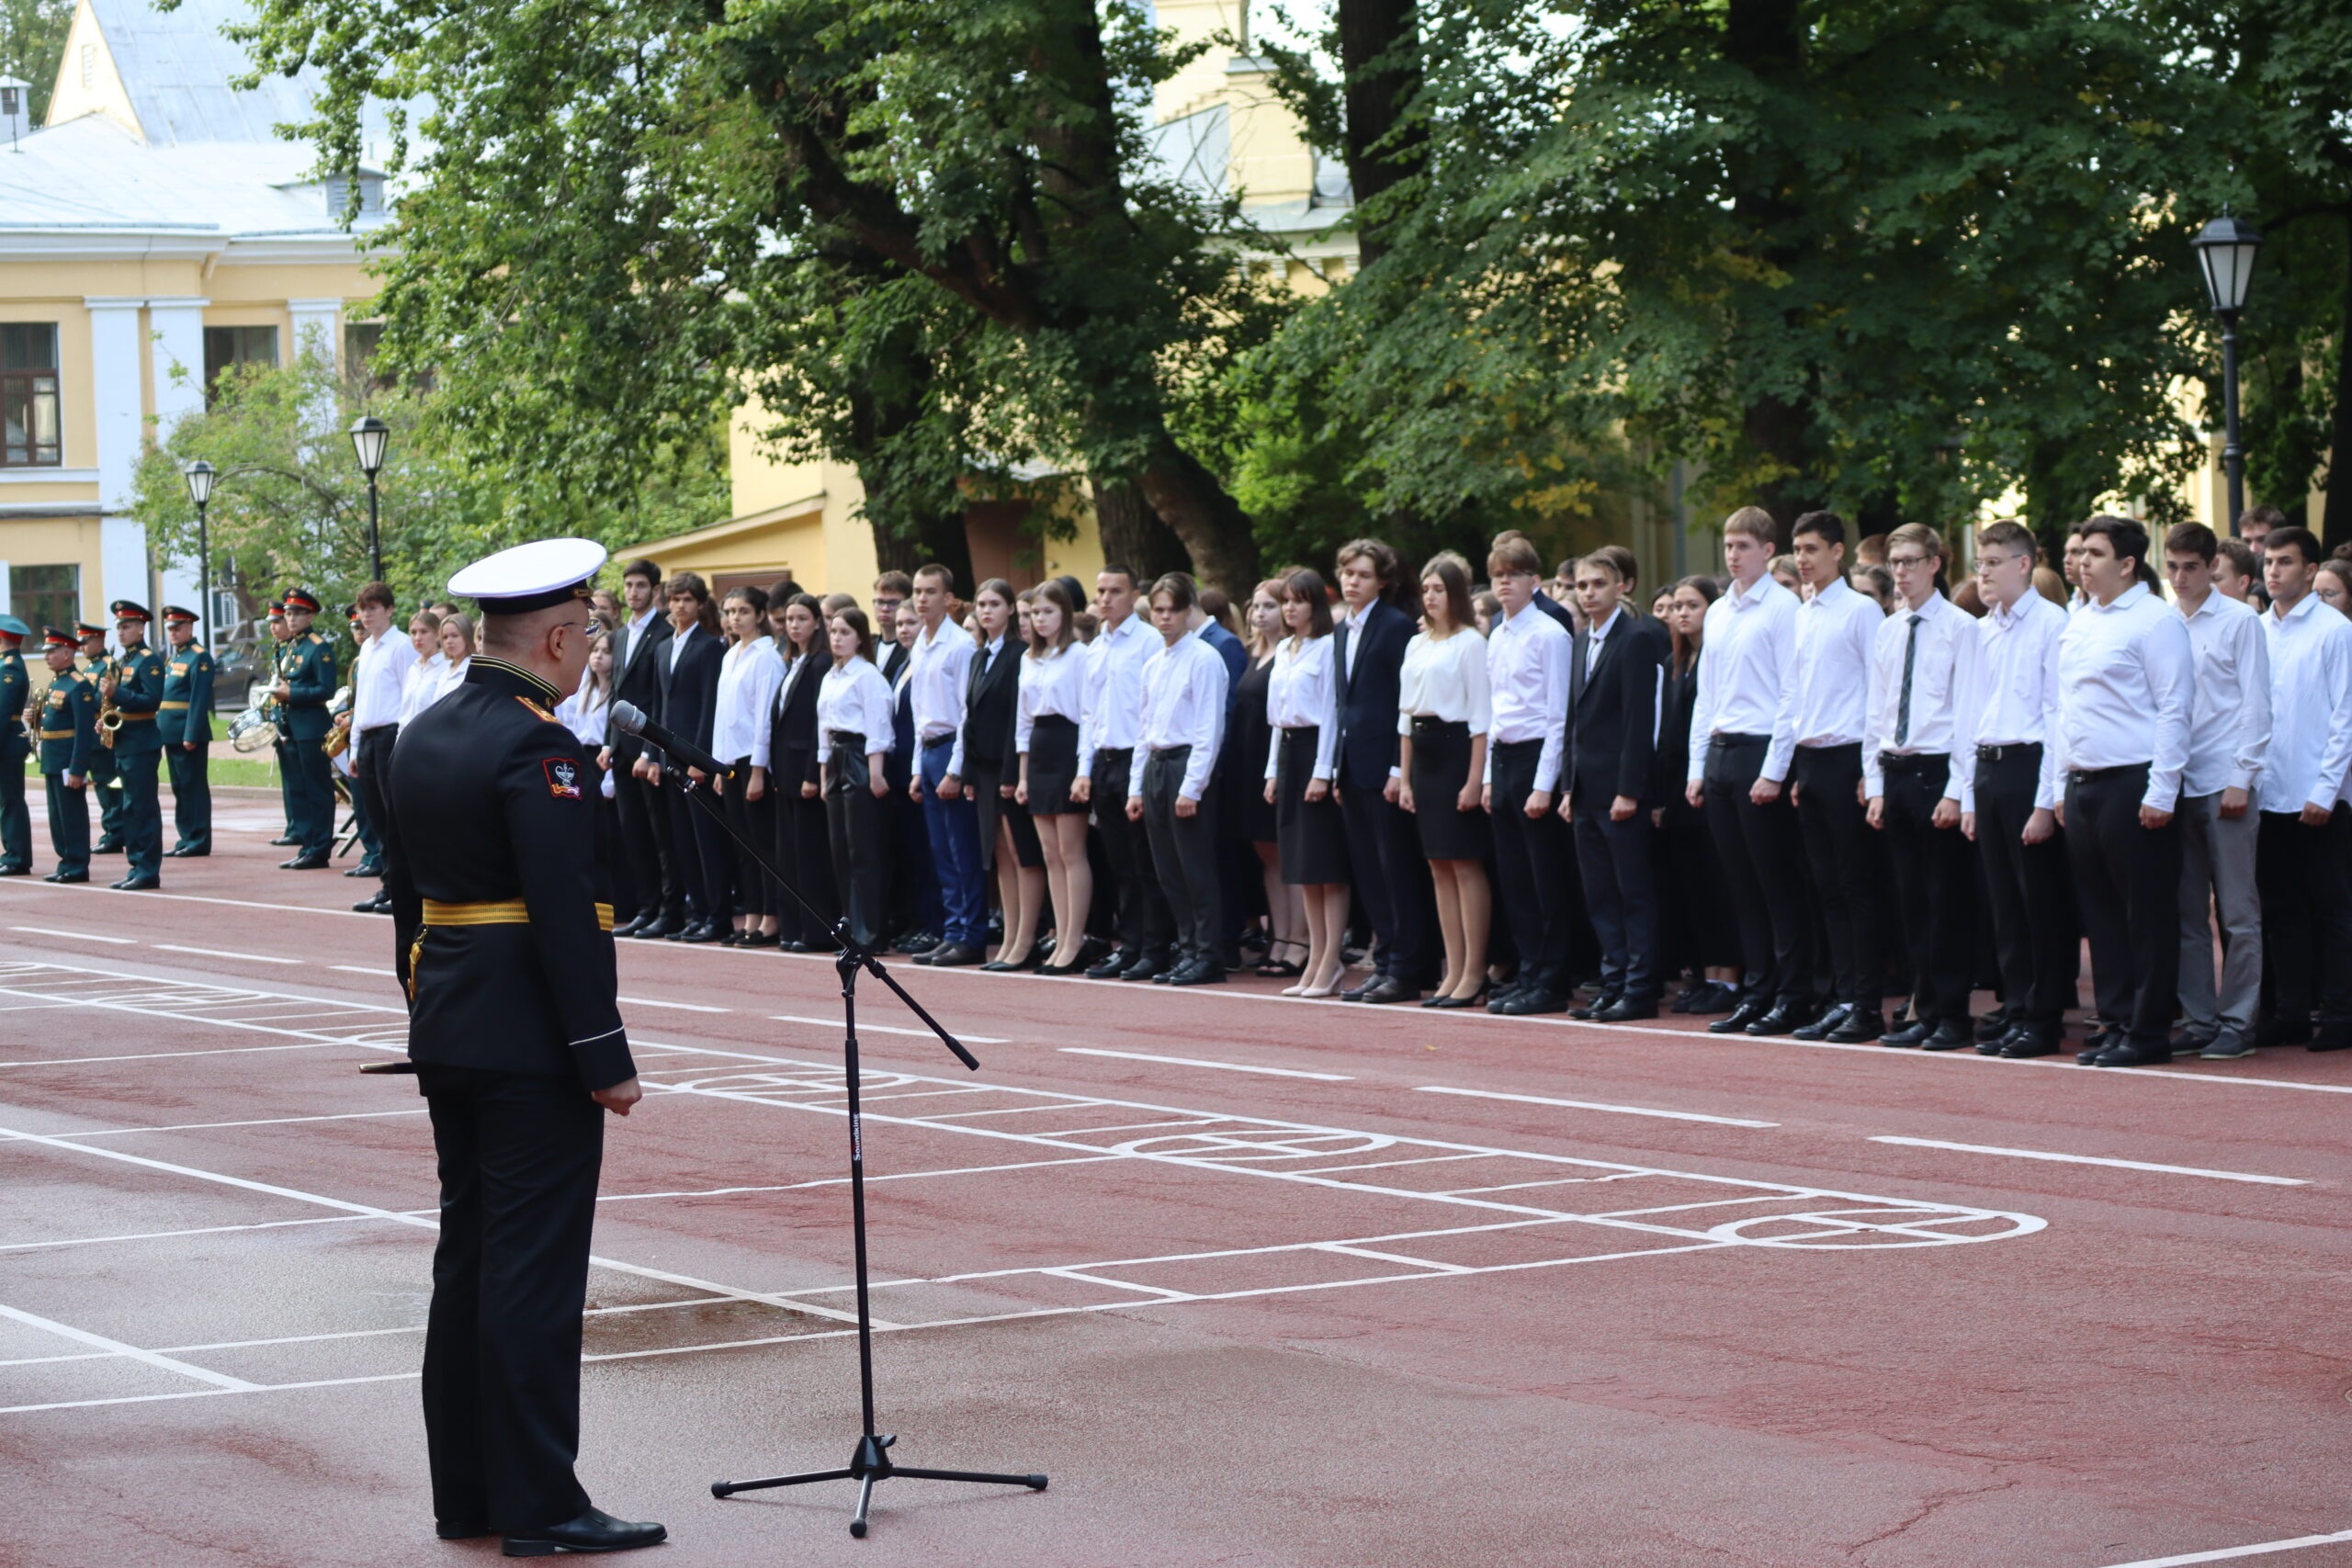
{"x": 563, "y": 777}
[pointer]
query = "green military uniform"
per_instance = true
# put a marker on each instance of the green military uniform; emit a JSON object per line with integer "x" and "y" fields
{"x": 105, "y": 782}
{"x": 16, "y": 690}
{"x": 308, "y": 668}
{"x": 267, "y": 671}
{"x": 184, "y": 723}
{"x": 69, "y": 740}
{"x": 138, "y": 746}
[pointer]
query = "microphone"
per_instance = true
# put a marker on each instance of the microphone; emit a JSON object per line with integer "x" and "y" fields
{"x": 631, "y": 720}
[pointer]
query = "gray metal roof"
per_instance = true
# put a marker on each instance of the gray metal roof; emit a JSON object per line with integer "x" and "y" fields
{"x": 176, "y": 66}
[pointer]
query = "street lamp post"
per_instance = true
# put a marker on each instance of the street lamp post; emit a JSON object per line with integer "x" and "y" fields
{"x": 368, "y": 436}
{"x": 2225, "y": 250}
{"x": 199, "y": 490}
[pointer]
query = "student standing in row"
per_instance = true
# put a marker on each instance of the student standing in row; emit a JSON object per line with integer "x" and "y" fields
{"x": 1050, "y": 736}
{"x": 803, "y": 849}
{"x": 1383, "y": 849}
{"x": 941, "y": 669}
{"x": 684, "y": 702}
{"x": 1311, "y": 834}
{"x": 1183, "y": 721}
{"x": 1444, "y": 711}
{"x": 1616, "y": 668}
{"x": 1528, "y": 657}
{"x": 1008, "y": 839}
{"x": 743, "y": 737}
{"x": 853, "y": 722}
{"x": 1114, "y": 697}
{"x": 1248, "y": 815}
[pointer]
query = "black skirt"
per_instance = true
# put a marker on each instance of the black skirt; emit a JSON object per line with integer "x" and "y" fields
{"x": 985, "y": 779}
{"x": 1313, "y": 838}
{"x": 1248, "y": 815}
{"x": 1053, "y": 766}
{"x": 1441, "y": 767}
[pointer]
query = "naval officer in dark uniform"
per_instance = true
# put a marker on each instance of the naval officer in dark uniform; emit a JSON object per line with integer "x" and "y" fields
{"x": 503, "y": 940}
{"x": 15, "y": 691}
{"x": 136, "y": 688}
{"x": 185, "y": 722}
{"x": 69, "y": 740}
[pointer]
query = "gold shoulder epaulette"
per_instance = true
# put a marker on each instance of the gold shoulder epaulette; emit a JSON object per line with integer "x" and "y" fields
{"x": 536, "y": 709}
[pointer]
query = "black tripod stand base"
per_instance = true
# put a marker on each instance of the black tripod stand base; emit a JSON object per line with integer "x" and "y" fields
{"x": 869, "y": 1464}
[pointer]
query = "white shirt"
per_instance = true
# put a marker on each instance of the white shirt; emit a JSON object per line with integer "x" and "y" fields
{"x": 2014, "y": 700}
{"x": 588, "y": 721}
{"x": 633, "y": 631}
{"x": 941, "y": 664}
{"x": 421, "y": 686}
{"x": 742, "y": 724}
{"x": 2124, "y": 675}
{"x": 678, "y": 644}
{"x": 1183, "y": 705}
{"x": 1300, "y": 692}
{"x": 855, "y": 700}
{"x": 1053, "y": 686}
{"x": 2309, "y": 648}
{"x": 378, "y": 681}
{"x": 1446, "y": 678}
{"x": 1944, "y": 666}
{"x": 2229, "y": 713}
{"x": 1114, "y": 688}
{"x": 1750, "y": 637}
{"x": 1528, "y": 658}
{"x": 1354, "y": 620}
{"x": 1826, "y": 701}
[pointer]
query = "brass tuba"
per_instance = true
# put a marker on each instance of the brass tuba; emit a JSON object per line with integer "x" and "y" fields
{"x": 338, "y": 738}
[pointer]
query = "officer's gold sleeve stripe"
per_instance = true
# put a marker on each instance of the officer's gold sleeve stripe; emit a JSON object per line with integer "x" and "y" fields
{"x": 497, "y": 912}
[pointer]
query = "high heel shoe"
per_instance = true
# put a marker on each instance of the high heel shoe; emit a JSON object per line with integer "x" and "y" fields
{"x": 998, "y": 967}
{"x": 1280, "y": 968}
{"x": 1061, "y": 971}
{"x": 1311, "y": 993}
{"x": 1470, "y": 1001}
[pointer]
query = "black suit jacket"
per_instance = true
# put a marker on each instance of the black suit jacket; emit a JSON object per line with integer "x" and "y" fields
{"x": 991, "y": 706}
{"x": 792, "y": 745}
{"x": 895, "y": 659}
{"x": 686, "y": 698}
{"x": 1612, "y": 712}
{"x": 639, "y": 681}
{"x": 1368, "y": 695}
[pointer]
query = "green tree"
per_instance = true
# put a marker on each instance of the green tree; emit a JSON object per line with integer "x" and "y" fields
{"x": 32, "y": 45}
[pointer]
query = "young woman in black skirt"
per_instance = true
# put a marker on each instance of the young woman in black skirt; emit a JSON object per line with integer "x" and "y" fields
{"x": 1698, "y": 918}
{"x": 853, "y": 731}
{"x": 1048, "y": 736}
{"x": 1008, "y": 844}
{"x": 1443, "y": 706}
{"x": 741, "y": 737}
{"x": 1302, "y": 704}
{"x": 1247, "y": 813}
{"x": 802, "y": 851}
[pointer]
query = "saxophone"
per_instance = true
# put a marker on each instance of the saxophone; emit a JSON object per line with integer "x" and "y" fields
{"x": 109, "y": 715}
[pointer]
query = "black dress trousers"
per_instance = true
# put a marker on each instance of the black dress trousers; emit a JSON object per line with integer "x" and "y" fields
{"x": 1141, "y": 919}
{"x": 643, "y": 812}
{"x": 1935, "y": 888}
{"x": 1762, "y": 851}
{"x": 1184, "y": 849}
{"x": 518, "y": 1156}
{"x": 2033, "y": 906}
{"x": 1533, "y": 870}
{"x": 2128, "y": 877}
{"x": 856, "y": 830}
{"x": 2300, "y": 872}
{"x": 1845, "y": 874}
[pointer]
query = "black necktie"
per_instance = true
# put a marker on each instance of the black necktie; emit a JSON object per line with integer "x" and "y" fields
{"x": 1910, "y": 660}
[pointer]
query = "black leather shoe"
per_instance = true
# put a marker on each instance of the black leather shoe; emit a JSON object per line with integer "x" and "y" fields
{"x": 1994, "y": 1027}
{"x": 2028, "y": 1041}
{"x": 953, "y": 955}
{"x": 2332, "y": 1037}
{"x": 372, "y": 907}
{"x": 1820, "y": 1027}
{"x": 1736, "y": 1020}
{"x": 1786, "y": 1019}
{"x": 1113, "y": 964}
{"x": 2096, "y": 1044}
{"x": 1600, "y": 999}
{"x": 1358, "y": 993}
{"x": 281, "y": 843}
{"x": 1389, "y": 989}
{"x": 1950, "y": 1035}
{"x": 1625, "y": 1009}
{"x": 107, "y": 847}
{"x": 709, "y": 931}
{"x": 655, "y": 929}
{"x": 1910, "y": 1033}
{"x": 2188, "y": 1042}
{"x": 1861, "y": 1025}
{"x": 1198, "y": 973}
{"x": 366, "y": 868}
{"x": 183, "y": 852}
{"x": 15, "y": 870}
{"x": 594, "y": 1531}
{"x": 2129, "y": 1055}
{"x": 1530, "y": 1002}
{"x": 311, "y": 860}
{"x": 67, "y": 876}
{"x": 1143, "y": 966}
{"x": 137, "y": 885}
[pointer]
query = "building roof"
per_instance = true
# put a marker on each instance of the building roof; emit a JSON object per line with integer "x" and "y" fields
{"x": 176, "y": 66}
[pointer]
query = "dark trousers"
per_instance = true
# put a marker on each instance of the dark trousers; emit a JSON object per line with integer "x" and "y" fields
{"x": 1532, "y": 869}
{"x": 2129, "y": 879}
{"x": 69, "y": 824}
{"x": 954, "y": 828}
{"x": 855, "y": 827}
{"x": 15, "y": 820}
{"x": 1184, "y": 853}
{"x": 309, "y": 779}
{"x": 698, "y": 849}
{"x": 1762, "y": 851}
{"x": 518, "y": 1159}
{"x": 754, "y": 820}
{"x": 191, "y": 775}
{"x": 1620, "y": 894}
{"x": 1392, "y": 877}
{"x": 282, "y": 751}
{"x": 142, "y": 811}
{"x": 804, "y": 854}
{"x": 2307, "y": 928}
{"x": 363, "y": 822}
{"x": 643, "y": 812}
{"x": 1140, "y": 917}
{"x": 1935, "y": 888}
{"x": 372, "y": 772}
{"x": 104, "y": 781}
{"x": 1845, "y": 874}
{"x": 2033, "y": 908}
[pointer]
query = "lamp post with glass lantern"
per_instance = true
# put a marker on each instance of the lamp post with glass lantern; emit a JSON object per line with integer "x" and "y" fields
{"x": 368, "y": 436}
{"x": 2225, "y": 250}
{"x": 199, "y": 475}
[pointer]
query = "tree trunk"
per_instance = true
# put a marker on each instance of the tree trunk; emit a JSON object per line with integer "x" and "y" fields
{"x": 2335, "y": 524}
{"x": 1207, "y": 519}
{"x": 1133, "y": 536}
{"x": 1766, "y": 38}
{"x": 911, "y": 527}
{"x": 1380, "y": 59}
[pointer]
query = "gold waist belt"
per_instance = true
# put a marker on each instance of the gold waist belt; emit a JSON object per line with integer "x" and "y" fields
{"x": 498, "y": 912}
{"x": 135, "y": 717}
{"x": 174, "y": 707}
{"x": 57, "y": 734}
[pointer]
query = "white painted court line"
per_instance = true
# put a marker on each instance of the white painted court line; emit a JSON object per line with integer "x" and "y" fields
{"x": 2095, "y": 1159}
{"x": 1196, "y": 1062}
{"x": 681, "y": 1006}
{"x": 168, "y": 1056}
{"x": 1595, "y": 1105}
{"x": 360, "y": 969}
{"x": 865, "y": 1028}
{"x": 2226, "y": 1552}
{"x": 151, "y": 897}
{"x": 77, "y": 936}
{"x": 116, "y": 1346}
{"x": 215, "y": 952}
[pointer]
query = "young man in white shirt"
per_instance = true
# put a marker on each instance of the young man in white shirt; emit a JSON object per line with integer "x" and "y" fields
{"x": 2008, "y": 758}
{"x": 1817, "y": 751}
{"x": 1141, "y": 919}
{"x": 385, "y": 654}
{"x": 1176, "y": 745}
{"x": 2229, "y": 738}
{"x": 1750, "y": 640}
{"x": 943, "y": 663}
{"x": 2125, "y": 673}
{"x": 2303, "y": 849}
{"x": 1528, "y": 655}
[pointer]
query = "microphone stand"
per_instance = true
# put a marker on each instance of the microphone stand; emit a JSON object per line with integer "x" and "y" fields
{"x": 869, "y": 1461}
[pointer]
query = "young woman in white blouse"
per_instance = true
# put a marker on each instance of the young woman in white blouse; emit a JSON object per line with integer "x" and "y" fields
{"x": 420, "y": 682}
{"x": 748, "y": 675}
{"x": 456, "y": 654}
{"x": 1442, "y": 707}
{"x": 853, "y": 731}
{"x": 1049, "y": 736}
{"x": 1302, "y": 704}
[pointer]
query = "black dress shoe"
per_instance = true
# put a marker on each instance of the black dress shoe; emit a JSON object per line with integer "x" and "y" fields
{"x": 1994, "y": 1027}
{"x": 1862, "y": 1024}
{"x": 656, "y": 930}
{"x": 1625, "y": 1009}
{"x": 2188, "y": 1042}
{"x": 732, "y": 937}
{"x": 709, "y": 931}
{"x": 1530, "y": 1002}
{"x": 1358, "y": 993}
{"x": 366, "y": 868}
{"x": 2125, "y": 1054}
{"x": 1455, "y": 1002}
{"x": 372, "y": 907}
{"x": 310, "y": 860}
{"x": 2028, "y": 1041}
{"x": 762, "y": 938}
{"x": 953, "y": 955}
{"x": 1600, "y": 1001}
{"x": 15, "y": 870}
{"x": 1113, "y": 964}
{"x": 1950, "y": 1035}
{"x": 1389, "y": 989}
{"x": 795, "y": 945}
{"x": 1736, "y": 1020}
{"x": 281, "y": 843}
{"x": 1910, "y": 1033}
{"x": 1143, "y": 966}
{"x": 107, "y": 847}
{"x": 1200, "y": 971}
{"x": 2095, "y": 1044}
{"x": 67, "y": 876}
{"x": 1819, "y": 1028}
{"x": 1786, "y": 1019}
{"x": 137, "y": 885}
{"x": 594, "y": 1531}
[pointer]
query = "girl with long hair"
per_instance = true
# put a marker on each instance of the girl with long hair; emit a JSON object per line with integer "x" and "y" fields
{"x": 1049, "y": 736}
{"x": 743, "y": 737}
{"x": 1008, "y": 845}
{"x": 1301, "y": 702}
{"x": 1247, "y": 812}
{"x": 1443, "y": 704}
{"x": 802, "y": 845}
{"x": 853, "y": 730}
{"x": 1697, "y": 902}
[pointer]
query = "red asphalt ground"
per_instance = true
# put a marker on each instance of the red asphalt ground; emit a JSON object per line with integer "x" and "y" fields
{"x": 1337, "y": 1317}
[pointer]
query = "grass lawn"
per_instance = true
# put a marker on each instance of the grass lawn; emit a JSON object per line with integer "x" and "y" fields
{"x": 259, "y": 769}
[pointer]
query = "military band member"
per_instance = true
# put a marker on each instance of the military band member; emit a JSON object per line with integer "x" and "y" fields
{"x": 136, "y": 690}
{"x": 184, "y": 723}
{"x": 97, "y": 663}
{"x": 306, "y": 683}
{"x": 15, "y": 691}
{"x": 503, "y": 937}
{"x": 69, "y": 739}
{"x": 267, "y": 666}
